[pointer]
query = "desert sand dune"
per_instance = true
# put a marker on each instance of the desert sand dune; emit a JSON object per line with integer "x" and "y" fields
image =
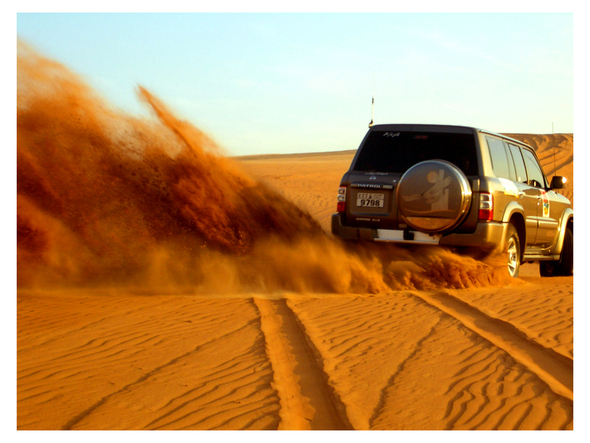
{"x": 309, "y": 181}
{"x": 92, "y": 360}
{"x": 164, "y": 286}
{"x": 113, "y": 364}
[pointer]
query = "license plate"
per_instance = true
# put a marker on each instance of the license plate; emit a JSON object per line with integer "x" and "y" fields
{"x": 370, "y": 200}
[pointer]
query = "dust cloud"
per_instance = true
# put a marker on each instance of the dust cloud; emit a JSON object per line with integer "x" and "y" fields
{"x": 107, "y": 199}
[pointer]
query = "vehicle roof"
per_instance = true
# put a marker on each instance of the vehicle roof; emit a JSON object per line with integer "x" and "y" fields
{"x": 443, "y": 128}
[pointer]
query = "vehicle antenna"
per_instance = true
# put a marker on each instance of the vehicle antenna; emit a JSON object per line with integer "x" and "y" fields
{"x": 554, "y": 150}
{"x": 372, "y": 101}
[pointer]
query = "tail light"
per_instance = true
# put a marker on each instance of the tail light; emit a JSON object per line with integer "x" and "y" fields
{"x": 341, "y": 207}
{"x": 486, "y": 206}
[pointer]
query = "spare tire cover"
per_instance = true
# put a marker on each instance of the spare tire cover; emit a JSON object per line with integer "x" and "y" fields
{"x": 433, "y": 196}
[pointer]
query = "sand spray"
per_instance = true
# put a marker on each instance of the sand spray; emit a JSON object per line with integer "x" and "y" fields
{"x": 108, "y": 199}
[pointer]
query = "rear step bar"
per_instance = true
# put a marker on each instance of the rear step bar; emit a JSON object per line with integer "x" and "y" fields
{"x": 391, "y": 235}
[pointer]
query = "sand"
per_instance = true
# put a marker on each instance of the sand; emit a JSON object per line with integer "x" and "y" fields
{"x": 478, "y": 358}
{"x": 164, "y": 286}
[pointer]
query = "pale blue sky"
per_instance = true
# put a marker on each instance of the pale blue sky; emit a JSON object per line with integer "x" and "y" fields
{"x": 283, "y": 83}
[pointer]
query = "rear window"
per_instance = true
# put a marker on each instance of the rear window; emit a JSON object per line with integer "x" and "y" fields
{"x": 397, "y": 151}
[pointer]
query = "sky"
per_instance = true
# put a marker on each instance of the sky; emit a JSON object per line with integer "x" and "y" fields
{"x": 261, "y": 83}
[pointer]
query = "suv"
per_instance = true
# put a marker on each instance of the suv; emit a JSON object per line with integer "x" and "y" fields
{"x": 456, "y": 186}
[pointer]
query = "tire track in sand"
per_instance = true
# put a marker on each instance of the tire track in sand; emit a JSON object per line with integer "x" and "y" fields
{"x": 306, "y": 399}
{"x": 553, "y": 368}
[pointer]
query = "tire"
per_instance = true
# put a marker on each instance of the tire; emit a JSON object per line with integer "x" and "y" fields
{"x": 512, "y": 251}
{"x": 563, "y": 267}
{"x": 433, "y": 196}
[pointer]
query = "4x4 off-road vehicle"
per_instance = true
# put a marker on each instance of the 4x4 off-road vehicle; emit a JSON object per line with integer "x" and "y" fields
{"x": 460, "y": 187}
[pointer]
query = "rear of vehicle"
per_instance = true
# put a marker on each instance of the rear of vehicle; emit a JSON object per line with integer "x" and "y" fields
{"x": 456, "y": 186}
{"x": 417, "y": 184}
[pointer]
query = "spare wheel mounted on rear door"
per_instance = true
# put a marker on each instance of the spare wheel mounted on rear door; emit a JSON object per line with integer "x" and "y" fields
{"x": 433, "y": 196}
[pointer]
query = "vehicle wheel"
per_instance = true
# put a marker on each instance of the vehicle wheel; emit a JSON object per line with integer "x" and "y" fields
{"x": 565, "y": 265}
{"x": 512, "y": 251}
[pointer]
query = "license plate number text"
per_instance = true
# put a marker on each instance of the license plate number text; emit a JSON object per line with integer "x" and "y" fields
{"x": 370, "y": 200}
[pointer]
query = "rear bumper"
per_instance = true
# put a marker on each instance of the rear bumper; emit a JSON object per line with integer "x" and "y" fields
{"x": 487, "y": 236}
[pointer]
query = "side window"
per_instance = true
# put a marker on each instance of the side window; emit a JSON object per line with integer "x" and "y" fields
{"x": 502, "y": 168}
{"x": 535, "y": 173}
{"x": 519, "y": 163}
{"x": 511, "y": 168}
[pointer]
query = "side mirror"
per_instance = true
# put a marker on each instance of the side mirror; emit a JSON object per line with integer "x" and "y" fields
{"x": 557, "y": 182}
